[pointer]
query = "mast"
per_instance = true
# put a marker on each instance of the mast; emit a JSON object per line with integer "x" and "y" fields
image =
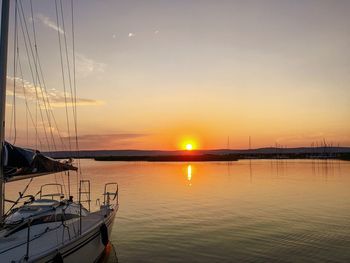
{"x": 5, "y": 10}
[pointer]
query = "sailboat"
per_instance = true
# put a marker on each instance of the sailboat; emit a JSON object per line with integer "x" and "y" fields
{"x": 49, "y": 226}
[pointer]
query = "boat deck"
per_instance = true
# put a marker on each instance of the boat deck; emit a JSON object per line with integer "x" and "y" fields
{"x": 45, "y": 238}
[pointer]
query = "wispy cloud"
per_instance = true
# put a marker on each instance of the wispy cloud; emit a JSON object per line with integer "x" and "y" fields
{"x": 46, "y": 21}
{"x": 109, "y": 137}
{"x": 85, "y": 66}
{"x": 57, "y": 98}
{"x": 107, "y": 141}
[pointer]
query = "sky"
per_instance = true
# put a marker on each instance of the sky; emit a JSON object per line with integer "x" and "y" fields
{"x": 159, "y": 74}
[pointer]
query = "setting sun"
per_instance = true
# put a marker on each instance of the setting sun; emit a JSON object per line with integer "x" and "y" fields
{"x": 189, "y": 147}
{"x": 188, "y": 144}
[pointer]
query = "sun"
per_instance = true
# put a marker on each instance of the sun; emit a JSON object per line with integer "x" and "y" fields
{"x": 189, "y": 147}
{"x": 188, "y": 144}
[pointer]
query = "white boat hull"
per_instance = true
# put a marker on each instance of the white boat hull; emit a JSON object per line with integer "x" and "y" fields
{"x": 87, "y": 247}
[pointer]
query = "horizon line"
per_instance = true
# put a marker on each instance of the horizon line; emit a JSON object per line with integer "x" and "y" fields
{"x": 216, "y": 149}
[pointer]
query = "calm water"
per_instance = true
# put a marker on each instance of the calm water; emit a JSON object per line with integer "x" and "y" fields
{"x": 245, "y": 211}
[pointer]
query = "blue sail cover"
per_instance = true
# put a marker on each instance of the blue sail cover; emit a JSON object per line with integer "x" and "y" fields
{"x": 20, "y": 163}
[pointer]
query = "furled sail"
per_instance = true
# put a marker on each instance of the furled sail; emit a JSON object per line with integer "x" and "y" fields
{"x": 20, "y": 163}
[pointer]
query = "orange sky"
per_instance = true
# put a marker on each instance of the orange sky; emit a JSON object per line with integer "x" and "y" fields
{"x": 156, "y": 75}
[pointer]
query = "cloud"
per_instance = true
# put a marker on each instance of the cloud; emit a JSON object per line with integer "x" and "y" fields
{"x": 110, "y": 137}
{"x": 46, "y": 21}
{"x": 85, "y": 66}
{"x": 56, "y": 97}
{"x": 107, "y": 141}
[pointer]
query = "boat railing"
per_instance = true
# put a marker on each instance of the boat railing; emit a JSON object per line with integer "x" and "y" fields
{"x": 109, "y": 195}
{"x": 111, "y": 191}
{"x": 28, "y": 240}
{"x": 28, "y": 223}
{"x": 59, "y": 193}
{"x": 85, "y": 189}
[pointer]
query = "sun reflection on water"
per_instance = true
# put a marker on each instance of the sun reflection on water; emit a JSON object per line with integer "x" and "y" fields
{"x": 189, "y": 174}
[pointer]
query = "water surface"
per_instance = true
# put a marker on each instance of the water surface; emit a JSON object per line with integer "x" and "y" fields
{"x": 245, "y": 211}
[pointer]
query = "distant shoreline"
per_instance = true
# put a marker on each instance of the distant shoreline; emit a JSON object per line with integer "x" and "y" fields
{"x": 217, "y": 158}
{"x": 339, "y": 153}
{"x": 173, "y": 158}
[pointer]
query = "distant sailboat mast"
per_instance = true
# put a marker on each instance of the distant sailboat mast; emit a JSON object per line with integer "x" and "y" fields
{"x": 3, "y": 73}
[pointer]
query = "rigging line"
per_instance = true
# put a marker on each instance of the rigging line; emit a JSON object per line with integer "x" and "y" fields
{"x": 42, "y": 77}
{"x": 63, "y": 82}
{"x": 34, "y": 78}
{"x": 50, "y": 107}
{"x": 27, "y": 128}
{"x": 63, "y": 78}
{"x": 30, "y": 67}
{"x": 69, "y": 78}
{"x": 18, "y": 64}
{"x": 28, "y": 112}
{"x": 48, "y": 101}
{"x": 25, "y": 97}
{"x": 37, "y": 61}
{"x": 36, "y": 58}
{"x": 79, "y": 172}
{"x": 31, "y": 70}
{"x": 32, "y": 74}
{"x": 67, "y": 59}
{"x": 38, "y": 76}
{"x": 21, "y": 194}
{"x": 26, "y": 100}
{"x": 15, "y": 47}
